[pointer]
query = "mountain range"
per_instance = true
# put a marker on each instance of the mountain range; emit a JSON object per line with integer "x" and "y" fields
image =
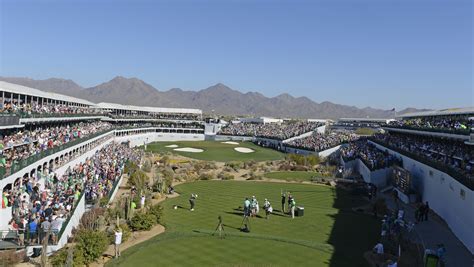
{"x": 218, "y": 98}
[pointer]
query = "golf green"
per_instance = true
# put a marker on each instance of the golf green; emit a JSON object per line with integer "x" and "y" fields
{"x": 329, "y": 233}
{"x": 298, "y": 176}
{"x": 217, "y": 151}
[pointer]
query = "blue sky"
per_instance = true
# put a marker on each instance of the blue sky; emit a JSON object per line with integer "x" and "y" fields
{"x": 379, "y": 53}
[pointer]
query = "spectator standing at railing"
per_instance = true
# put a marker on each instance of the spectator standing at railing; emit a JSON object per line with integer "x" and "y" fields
{"x": 33, "y": 230}
{"x": 56, "y": 225}
{"x": 21, "y": 233}
{"x": 45, "y": 227}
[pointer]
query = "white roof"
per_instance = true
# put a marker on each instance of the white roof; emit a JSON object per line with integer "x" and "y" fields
{"x": 103, "y": 105}
{"x": 20, "y": 89}
{"x": 441, "y": 112}
{"x": 365, "y": 119}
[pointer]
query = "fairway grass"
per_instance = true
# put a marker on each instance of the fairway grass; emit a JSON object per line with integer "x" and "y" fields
{"x": 329, "y": 234}
{"x": 217, "y": 151}
{"x": 297, "y": 176}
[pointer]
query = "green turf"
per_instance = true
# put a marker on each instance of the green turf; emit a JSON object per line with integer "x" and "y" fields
{"x": 299, "y": 176}
{"x": 217, "y": 151}
{"x": 329, "y": 234}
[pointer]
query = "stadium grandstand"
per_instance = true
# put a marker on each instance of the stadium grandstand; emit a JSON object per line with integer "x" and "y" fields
{"x": 354, "y": 123}
{"x": 45, "y": 138}
{"x": 269, "y": 130}
{"x": 455, "y": 122}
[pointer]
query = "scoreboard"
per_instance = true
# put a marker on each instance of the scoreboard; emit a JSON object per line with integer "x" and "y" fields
{"x": 402, "y": 179}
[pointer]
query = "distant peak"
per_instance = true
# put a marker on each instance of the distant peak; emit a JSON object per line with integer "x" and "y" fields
{"x": 125, "y": 79}
{"x": 284, "y": 96}
{"x": 219, "y": 87}
{"x": 118, "y": 78}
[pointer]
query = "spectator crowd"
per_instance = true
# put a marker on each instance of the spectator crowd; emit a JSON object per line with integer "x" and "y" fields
{"x": 449, "y": 123}
{"x": 15, "y": 107}
{"x": 372, "y": 157}
{"x": 452, "y": 154}
{"x": 20, "y": 145}
{"x": 319, "y": 141}
{"x": 43, "y": 202}
{"x": 270, "y": 130}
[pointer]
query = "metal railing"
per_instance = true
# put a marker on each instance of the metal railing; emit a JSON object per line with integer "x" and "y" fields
{"x": 435, "y": 130}
{"x": 18, "y": 165}
{"x": 26, "y": 115}
{"x": 460, "y": 177}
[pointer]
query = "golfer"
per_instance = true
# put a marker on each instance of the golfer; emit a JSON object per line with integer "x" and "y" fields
{"x": 247, "y": 207}
{"x": 118, "y": 241}
{"x": 192, "y": 201}
{"x": 283, "y": 200}
{"x": 253, "y": 206}
{"x": 268, "y": 208}
{"x": 290, "y": 198}
{"x": 292, "y": 207}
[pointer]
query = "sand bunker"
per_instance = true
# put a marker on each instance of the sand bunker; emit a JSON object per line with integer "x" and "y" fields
{"x": 230, "y": 143}
{"x": 172, "y": 146}
{"x": 243, "y": 150}
{"x": 189, "y": 149}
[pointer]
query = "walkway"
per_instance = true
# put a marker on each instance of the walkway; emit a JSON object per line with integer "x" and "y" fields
{"x": 436, "y": 231}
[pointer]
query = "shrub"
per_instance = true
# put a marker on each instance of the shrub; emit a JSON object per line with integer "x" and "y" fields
{"x": 225, "y": 176}
{"x": 157, "y": 211}
{"x": 165, "y": 160}
{"x": 207, "y": 176}
{"x": 142, "y": 221}
{"x": 93, "y": 219}
{"x": 168, "y": 176}
{"x": 146, "y": 166}
{"x": 130, "y": 167}
{"x": 236, "y": 165}
{"x": 92, "y": 244}
{"x": 60, "y": 258}
{"x": 249, "y": 164}
{"x": 138, "y": 179}
{"x": 285, "y": 167}
{"x": 12, "y": 257}
{"x": 103, "y": 202}
{"x": 309, "y": 160}
{"x": 299, "y": 168}
{"x": 253, "y": 176}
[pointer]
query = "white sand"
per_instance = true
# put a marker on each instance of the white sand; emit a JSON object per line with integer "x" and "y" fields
{"x": 172, "y": 146}
{"x": 243, "y": 150}
{"x": 230, "y": 143}
{"x": 189, "y": 149}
